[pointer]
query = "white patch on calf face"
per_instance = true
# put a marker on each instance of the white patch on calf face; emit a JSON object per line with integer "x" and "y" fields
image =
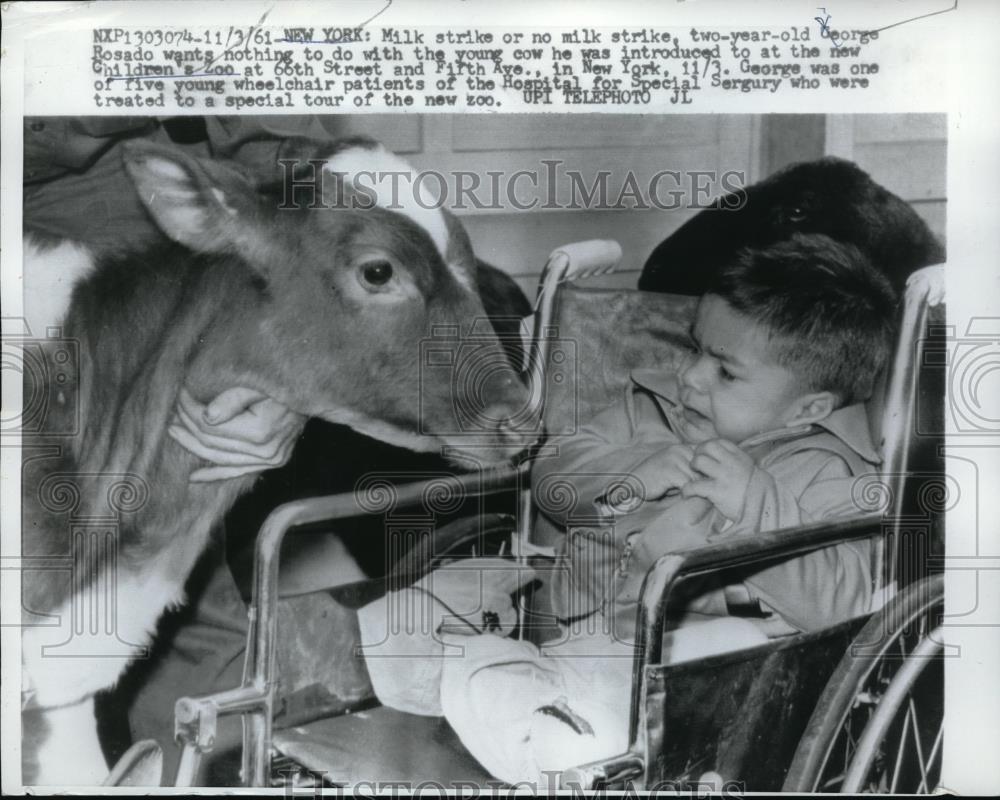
{"x": 49, "y": 278}
{"x": 394, "y": 184}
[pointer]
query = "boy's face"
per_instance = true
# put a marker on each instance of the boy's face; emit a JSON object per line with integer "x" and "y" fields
{"x": 734, "y": 388}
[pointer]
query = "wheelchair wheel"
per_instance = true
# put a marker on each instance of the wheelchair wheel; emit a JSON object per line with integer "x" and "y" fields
{"x": 878, "y": 726}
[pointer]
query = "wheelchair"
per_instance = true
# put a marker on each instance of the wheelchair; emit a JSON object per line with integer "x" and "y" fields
{"x": 857, "y": 707}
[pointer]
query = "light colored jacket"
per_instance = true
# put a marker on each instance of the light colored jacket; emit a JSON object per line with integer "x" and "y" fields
{"x": 802, "y": 475}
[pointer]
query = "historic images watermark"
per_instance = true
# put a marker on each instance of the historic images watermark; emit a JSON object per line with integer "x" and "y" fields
{"x": 548, "y": 186}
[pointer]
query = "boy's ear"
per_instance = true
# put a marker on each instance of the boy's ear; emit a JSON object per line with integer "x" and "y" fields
{"x": 810, "y": 408}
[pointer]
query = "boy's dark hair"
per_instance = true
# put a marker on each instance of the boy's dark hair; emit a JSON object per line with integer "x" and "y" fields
{"x": 831, "y": 314}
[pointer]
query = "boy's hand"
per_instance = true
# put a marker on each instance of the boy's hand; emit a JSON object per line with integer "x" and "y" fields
{"x": 726, "y": 474}
{"x": 668, "y": 469}
{"x": 241, "y": 432}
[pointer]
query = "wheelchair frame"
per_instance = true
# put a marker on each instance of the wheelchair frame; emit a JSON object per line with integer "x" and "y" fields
{"x": 254, "y": 699}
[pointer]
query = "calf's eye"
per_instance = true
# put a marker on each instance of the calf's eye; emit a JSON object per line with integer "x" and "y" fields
{"x": 376, "y": 274}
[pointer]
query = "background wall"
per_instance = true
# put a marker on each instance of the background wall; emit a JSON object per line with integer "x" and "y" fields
{"x": 904, "y": 152}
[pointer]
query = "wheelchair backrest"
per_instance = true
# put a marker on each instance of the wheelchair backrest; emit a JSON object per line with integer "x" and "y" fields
{"x": 910, "y": 433}
{"x": 599, "y": 337}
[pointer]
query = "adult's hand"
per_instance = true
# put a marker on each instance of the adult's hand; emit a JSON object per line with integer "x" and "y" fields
{"x": 241, "y": 432}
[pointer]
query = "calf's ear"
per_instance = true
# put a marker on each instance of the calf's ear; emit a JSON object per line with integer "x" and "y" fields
{"x": 202, "y": 205}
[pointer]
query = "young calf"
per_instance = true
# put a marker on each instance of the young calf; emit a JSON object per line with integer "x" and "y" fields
{"x": 322, "y": 309}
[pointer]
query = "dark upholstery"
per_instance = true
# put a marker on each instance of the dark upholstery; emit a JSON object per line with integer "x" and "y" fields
{"x": 747, "y": 732}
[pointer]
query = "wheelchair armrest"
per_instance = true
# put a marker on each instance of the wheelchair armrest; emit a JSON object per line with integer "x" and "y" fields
{"x": 670, "y": 569}
{"x": 377, "y": 497}
{"x": 668, "y": 572}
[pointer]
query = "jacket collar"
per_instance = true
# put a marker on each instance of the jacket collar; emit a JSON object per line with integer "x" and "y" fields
{"x": 849, "y": 423}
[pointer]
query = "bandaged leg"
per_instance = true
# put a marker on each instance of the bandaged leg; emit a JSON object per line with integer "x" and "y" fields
{"x": 402, "y": 650}
{"x": 405, "y": 635}
{"x": 524, "y": 716}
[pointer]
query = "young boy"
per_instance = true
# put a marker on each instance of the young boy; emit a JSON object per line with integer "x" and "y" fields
{"x": 765, "y": 428}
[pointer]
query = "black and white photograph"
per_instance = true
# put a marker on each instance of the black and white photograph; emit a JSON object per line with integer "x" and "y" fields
{"x": 612, "y": 446}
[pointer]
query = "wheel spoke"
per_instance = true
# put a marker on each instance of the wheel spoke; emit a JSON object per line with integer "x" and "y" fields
{"x": 830, "y": 783}
{"x": 899, "y": 752}
{"x": 848, "y": 747}
{"x": 852, "y": 724}
{"x": 920, "y": 750}
{"x": 936, "y": 746}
